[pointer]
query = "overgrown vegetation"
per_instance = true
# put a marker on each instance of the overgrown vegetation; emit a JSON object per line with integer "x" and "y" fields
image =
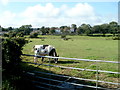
{"x": 11, "y": 71}
{"x": 11, "y": 51}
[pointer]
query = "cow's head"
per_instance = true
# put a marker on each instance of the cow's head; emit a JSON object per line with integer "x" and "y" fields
{"x": 56, "y": 59}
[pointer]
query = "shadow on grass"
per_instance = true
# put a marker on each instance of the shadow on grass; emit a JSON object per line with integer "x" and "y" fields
{"x": 27, "y": 76}
{"x": 35, "y": 76}
{"x": 63, "y": 62}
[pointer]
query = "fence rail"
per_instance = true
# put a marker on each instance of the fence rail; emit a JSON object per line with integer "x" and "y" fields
{"x": 82, "y": 69}
{"x": 63, "y": 82}
{"x": 72, "y": 58}
{"x": 72, "y": 77}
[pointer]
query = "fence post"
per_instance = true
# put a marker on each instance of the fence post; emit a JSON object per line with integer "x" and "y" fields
{"x": 97, "y": 75}
{"x": 49, "y": 75}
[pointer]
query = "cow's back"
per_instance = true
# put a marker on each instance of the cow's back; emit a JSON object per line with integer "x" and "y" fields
{"x": 44, "y": 49}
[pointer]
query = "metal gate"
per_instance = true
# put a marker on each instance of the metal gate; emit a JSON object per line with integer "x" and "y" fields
{"x": 51, "y": 81}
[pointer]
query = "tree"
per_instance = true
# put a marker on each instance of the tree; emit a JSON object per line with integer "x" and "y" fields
{"x": 4, "y": 29}
{"x": 12, "y": 34}
{"x": 42, "y": 29}
{"x": 0, "y": 28}
{"x": 74, "y": 26}
{"x": 20, "y": 34}
{"x": 118, "y": 29}
{"x": 6, "y": 35}
{"x": 86, "y": 28}
{"x": 66, "y": 30}
{"x": 104, "y": 28}
{"x": 33, "y": 35}
{"x": 79, "y": 30}
{"x": 62, "y": 28}
{"x": 47, "y": 29}
{"x": 113, "y": 23}
{"x": 113, "y": 27}
{"x": 96, "y": 29}
{"x": 26, "y": 29}
{"x": 52, "y": 30}
{"x": 10, "y": 28}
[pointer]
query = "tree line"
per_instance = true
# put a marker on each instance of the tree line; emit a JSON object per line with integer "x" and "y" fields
{"x": 84, "y": 29}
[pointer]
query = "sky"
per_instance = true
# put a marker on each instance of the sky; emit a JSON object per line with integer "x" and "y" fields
{"x": 56, "y": 13}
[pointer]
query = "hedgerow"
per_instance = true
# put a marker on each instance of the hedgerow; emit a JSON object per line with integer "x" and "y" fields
{"x": 11, "y": 58}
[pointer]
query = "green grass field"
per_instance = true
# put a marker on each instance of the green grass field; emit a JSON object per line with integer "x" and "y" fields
{"x": 96, "y": 48}
{"x": 79, "y": 47}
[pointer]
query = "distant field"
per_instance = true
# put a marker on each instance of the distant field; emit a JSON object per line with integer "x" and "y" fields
{"x": 96, "y": 48}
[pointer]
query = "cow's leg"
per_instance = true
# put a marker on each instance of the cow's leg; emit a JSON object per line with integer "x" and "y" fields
{"x": 42, "y": 59}
{"x": 35, "y": 59}
{"x": 49, "y": 60}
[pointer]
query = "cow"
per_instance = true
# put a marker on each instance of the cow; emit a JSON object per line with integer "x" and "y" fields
{"x": 44, "y": 50}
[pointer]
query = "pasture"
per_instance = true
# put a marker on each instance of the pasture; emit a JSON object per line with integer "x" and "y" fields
{"x": 84, "y": 47}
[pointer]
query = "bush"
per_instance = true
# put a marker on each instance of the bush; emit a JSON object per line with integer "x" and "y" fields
{"x": 33, "y": 35}
{"x": 11, "y": 51}
{"x": 13, "y": 34}
{"x": 63, "y": 36}
{"x": 11, "y": 71}
{"x": 20, "y": 34}
{"x": 116, "y": 38}
{"x": 5, "y": 35}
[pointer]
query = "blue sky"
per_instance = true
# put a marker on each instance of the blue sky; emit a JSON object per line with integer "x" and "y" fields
{"x": 51, "y": 14}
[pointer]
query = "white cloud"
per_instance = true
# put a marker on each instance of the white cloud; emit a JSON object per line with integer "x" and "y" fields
{"x": 81, "y": 10}
{"x": 41, "y": 11}
{"x": 7, "y": 18}
{"x": 50, "y": 15}
{"x": 4, "y": 2}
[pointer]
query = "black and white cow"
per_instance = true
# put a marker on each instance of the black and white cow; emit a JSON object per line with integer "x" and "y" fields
{"x": 44, "y": 50}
